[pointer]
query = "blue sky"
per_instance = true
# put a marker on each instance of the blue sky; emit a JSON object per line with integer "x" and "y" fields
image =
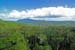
{"x": 11, "y": 7}
{"x": 29, "y": 4}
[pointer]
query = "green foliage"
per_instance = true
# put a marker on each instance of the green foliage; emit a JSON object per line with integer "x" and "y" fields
{"x": 16, "y": 36}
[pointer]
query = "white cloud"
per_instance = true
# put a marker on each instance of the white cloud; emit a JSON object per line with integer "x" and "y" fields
{"x": 65, "y": 13}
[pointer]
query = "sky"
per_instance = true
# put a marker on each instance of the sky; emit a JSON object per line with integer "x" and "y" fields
{"x": 50, "y": 10}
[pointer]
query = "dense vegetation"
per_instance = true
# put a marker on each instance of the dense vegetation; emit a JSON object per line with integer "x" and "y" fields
{"x": 16, "y": 36}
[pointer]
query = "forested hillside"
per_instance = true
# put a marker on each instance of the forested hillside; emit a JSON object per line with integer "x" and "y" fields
{"x": 16, "y": 36}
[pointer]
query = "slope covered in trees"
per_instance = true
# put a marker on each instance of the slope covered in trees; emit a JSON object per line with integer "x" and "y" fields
{"x": 16, "y": 36}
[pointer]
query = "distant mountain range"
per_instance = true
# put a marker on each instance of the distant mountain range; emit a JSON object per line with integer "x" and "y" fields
{"x": 30, "y": 20}
{"x": 43, "y": 22}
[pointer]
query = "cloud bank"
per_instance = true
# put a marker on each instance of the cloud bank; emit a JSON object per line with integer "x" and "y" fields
{"x": 62, "y": 13}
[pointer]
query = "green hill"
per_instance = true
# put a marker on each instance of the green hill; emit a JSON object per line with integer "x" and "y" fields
{"x": 19, "y": 36}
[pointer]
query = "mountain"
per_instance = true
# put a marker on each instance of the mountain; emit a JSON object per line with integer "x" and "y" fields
{"x": 30, "y": 20}
{"x": 43, "y": 22}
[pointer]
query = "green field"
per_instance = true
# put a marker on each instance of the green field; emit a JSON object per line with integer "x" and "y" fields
{"x": 19, "y": 36}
